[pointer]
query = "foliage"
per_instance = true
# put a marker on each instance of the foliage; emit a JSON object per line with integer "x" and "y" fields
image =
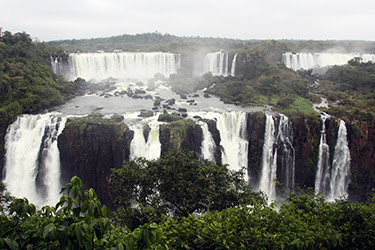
{"x": 282, "y": 88}
{"x": 27, "y": 83}
{"x": 306, "y": 222}
{"x": 80, "y": 221}
{"x": 77, "y": 221}
{"x": 154, "y": 41}
{"x": 157, "y": 41}
{"x": 177, "y": 184}
{"x": 166, "y": 117}
{"x": 353, "y": 87}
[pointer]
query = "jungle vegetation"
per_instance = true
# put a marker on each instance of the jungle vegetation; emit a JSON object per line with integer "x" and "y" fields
{"x": 165, "y": 220}
{"x": 27, "y": 83}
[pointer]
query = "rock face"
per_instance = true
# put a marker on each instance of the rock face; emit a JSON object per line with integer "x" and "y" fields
{"x": 89, "y": 150}
{"x": 216, "y": 137}
{"x": 306, "y": 144}
{"x": 255, "y": 133}
{"x": 181, "y": 134}
{"x": 361, "y": 137}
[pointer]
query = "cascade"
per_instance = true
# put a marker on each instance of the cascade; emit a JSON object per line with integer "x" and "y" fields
{"x": 276, "y": 141}
{"x": 232, "y": 128}
{"x": 339, "y": 181}
{"x": 56, "y": 65}
{"x": 269, "y": 160}
{"x": 59, "y": 66}
{"x": 218, "y": 63}
{"x": 306, "y": 61}
{"x": 33, "y": 159}
{"x": 122, "y": 65}
{"x": 233, "y": 69}
{"x": 208, "y": 143}
{"x": 145, "y": 145}
{"x": 322, "y": 173}
{"x": 285, "y": 140}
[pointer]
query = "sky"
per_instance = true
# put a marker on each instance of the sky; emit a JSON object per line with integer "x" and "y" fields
{"x": 239, "y": 19}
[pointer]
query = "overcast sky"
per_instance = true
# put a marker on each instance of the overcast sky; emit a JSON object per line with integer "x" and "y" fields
{"x": 244, "y": 19}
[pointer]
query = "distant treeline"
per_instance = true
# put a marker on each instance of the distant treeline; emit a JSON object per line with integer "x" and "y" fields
{"x": 166, "y": 42}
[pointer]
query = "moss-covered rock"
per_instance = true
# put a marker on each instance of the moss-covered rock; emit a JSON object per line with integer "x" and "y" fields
{"x": 182, "y": 134}
{"x": 90, "y": 147}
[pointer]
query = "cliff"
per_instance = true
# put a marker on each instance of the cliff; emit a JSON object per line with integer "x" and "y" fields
{"x": 89, "y": 148}
{"x": 181, "y": 134}
{"x": 361, "y": 137}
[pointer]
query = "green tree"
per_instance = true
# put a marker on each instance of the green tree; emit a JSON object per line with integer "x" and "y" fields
{"x": 178, "y": 184}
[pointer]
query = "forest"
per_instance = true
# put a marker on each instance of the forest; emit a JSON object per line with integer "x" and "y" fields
{"x": 157, "y": 41}
{"x": 180, "y": 201}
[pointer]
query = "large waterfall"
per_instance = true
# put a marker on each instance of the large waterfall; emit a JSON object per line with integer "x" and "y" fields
{"x": 322, "y": 173}
{"x": 208, "y": 143}
{"x": 306, "y": 61}
{"x": 269, "y": 160}
{"x": 232, "y": 128}
{"x": 122, "y": 65}
{"x": 277, "y": 139}
{"x": 32, "y": 167}
{"x": 340, "y": 166}
{"x": 333, "y": 180}
{"x": 218, "y": 64}
{"x": 233, "y": 69}
{"x": 33, "y": 159}
{"x": 146, "y": 142}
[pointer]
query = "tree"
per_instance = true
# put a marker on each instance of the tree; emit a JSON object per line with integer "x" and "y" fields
{"x": 177, "y": 184}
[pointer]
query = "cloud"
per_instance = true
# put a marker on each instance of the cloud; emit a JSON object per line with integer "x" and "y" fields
{"x": 267, "y": 19}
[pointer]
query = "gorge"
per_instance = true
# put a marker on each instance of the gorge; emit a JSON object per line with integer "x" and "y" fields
{"x": 278, "y": 152}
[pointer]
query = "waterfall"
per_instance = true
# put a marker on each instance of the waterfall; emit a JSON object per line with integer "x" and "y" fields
{"x": 276, "y": 141}
{"x": 32, "y": 165}
{"x": 322, "y": 173}
{"x": 208, "y": 143}
{"x": 298, "y": 61}
{"x": 232, "y": 128}
{"x": 269, "y": 160}
{"x": 216, "y": 63}
{"x": 233, "y": 68}
{"x": 146, "y": 144}
{"x": 333, "y": 180}
{"x": 339, "y": 181}
{"x": 285, "y": 140}
{"x": 122, "y": 65}
{"x": 55, "y": 64}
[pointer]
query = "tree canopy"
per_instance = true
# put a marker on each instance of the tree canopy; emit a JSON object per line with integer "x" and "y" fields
{"x": 179, "y": 184}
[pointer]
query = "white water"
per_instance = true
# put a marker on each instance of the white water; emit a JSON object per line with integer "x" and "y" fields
{"x": 29, "y": 137}
{"x": 340, "y": 172}
{"x": 322, "y": 173}
{"x": 285, "y": 139}
{"x": 218, "y": 64}
{"x": 208, "y": 143}
{"x": 123, "y": 65}
{"x": 233, "y": 69}
{"x": 274, "y": 139}
{"x": 150, "y": 147}
{"x": 269, "y": 160}
{"x": 232, "y": 128}
{"x": 298, "y": 61}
